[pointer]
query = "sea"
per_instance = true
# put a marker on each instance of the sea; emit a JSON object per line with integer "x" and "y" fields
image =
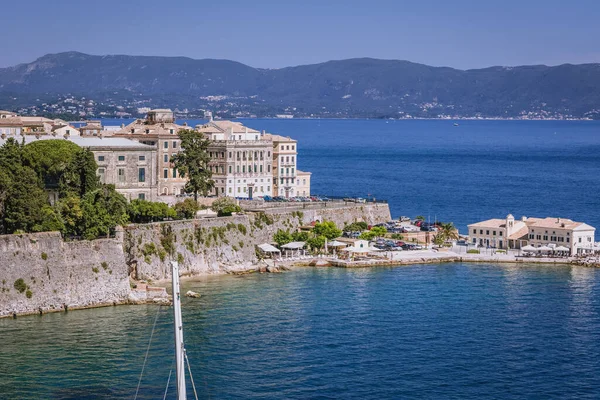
{"x": 439, "y": 331}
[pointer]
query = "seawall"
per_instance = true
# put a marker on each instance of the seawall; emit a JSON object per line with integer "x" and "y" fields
{"x": 42, "y": 273}
{"x": 225, "y": 244}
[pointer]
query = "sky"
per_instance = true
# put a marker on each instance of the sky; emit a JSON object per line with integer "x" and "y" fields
{"x": 273, "y": 34}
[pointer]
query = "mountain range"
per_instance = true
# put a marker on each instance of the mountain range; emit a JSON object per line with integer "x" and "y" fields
{"x": 345, "y": 88}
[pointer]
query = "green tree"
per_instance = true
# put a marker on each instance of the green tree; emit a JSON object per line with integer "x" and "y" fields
{"x": 301, "y": 236}
{"x": 448, "y": 231}
{"x": 49, "y": 159}
{"x": 327, "y": 229}
{"x": 420, "y": 218}
{"x": 51, "y": 221}
{"x": 282, "y": 237}
{"x": 316, "y": 243}
{"x": 356, "y": 227}
{"x": 72, "y": 215}
{"x": 192, "y": 162}
{"x": 375, "y": 232}
{"x": 24, "y": 202}
{"x": 103, "y": 209}
{"x": 79, "y": 175}
{"x": 186, "y": 209}
{"x": 438, "y": 239}
{"x": 144, "y": 211}
{"x": 225, "y": 206}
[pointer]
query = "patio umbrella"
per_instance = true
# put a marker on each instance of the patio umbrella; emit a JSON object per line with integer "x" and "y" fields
{"x": 544, "y": 248}
{"x": 335, "y": 243}
{"x": 528, "y": 248}
{"x": 561, "y": 248}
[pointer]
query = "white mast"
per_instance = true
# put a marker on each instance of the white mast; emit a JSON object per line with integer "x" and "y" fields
{"x": 179, "y": 347}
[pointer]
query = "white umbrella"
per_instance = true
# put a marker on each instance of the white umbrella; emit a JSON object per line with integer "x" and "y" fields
{"x": 544, "y": 248}
{"x": 335, "y": 243}
{"x": 561, "y": 248}
{"x": 528, "y": 248}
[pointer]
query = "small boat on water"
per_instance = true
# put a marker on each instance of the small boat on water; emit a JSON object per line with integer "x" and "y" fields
{"x": 456, "y": 124}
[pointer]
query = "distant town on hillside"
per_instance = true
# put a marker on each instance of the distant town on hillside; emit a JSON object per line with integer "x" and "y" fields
{"x": 74, "y": 85}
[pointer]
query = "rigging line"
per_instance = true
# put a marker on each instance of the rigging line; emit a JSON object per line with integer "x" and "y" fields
{"x": 167, "y": 388}
{"x": 190, "y": 371}
{"x": 147, "y": 351}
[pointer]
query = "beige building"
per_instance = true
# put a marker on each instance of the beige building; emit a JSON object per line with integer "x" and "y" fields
{"x": 509, "y": 233}
{"x": 303, "y": 185}
{"x": 241, "y": 159}
{"x": 285, "y": 153}
{"x": 159, "y": 130}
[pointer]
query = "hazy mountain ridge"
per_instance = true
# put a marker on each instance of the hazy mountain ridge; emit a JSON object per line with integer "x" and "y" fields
{"x": 350, "y": 87}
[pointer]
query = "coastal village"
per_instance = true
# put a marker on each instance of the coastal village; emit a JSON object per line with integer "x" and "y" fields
{"x": 277, "y": 222}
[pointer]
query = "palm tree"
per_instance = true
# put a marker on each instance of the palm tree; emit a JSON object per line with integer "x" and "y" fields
{"x": 448, "y": 231}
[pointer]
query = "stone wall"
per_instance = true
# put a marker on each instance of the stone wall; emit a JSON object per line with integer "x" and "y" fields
{"x": 56, "y": 273}
{"x": 226, "y": 244}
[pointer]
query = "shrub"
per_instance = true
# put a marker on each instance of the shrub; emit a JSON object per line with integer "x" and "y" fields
{"x": 167, "y": 239}
{"x": 356, "y": 227}
{"x": 28, "y": 293}
{"x": 225, "y": 206}
{"x": 44, "y": 256}
{"x": 473, "y": 251}
{"x": 180, "y": 258}
{"x": 149, "y": 249}
{"x": 95, "y": 269}
{"x": 242, "y": 229}
{"x": 104, "y": 265}
{"x": 20, "y": 285}
{"x": 186, "y": 209}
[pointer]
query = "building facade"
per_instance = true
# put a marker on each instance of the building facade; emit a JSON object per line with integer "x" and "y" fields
{"x": 285, "y": 153}
{"x": 509, "y": 233}
{"x": 241, "y": 159}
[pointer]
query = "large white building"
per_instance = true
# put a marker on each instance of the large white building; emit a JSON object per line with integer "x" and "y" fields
{"x": 509, "y": 233}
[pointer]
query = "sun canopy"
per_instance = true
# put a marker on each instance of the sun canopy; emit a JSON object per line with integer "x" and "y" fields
{"x": 293, "y": 246}
{"x": 267, "y": 248}
{"x": 544, "y": 248}
{"x": 335, "y": 243}
{"x": 528, "y": 248}
{"x": 561, "y": 248}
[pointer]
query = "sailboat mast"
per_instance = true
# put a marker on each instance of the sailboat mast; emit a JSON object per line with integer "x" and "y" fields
{"x": 179, "y": 347}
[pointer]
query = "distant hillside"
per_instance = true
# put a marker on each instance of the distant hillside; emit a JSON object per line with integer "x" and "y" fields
{"x": 354, "y": 87}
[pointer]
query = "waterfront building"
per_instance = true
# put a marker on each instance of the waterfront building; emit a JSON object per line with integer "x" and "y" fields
{"x": 285, "y": 152}
{"x": 64, "y": 129}
{"x": 159, "y": 130}
{"x": 10, "y": 125}
{"x": 241, "y": 159}
{"x": 509, "y": 233}
{"x": 303, "y": 179}
{"x": 91, "y": 128}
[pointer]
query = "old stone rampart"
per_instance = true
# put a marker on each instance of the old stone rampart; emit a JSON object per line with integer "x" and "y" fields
{"x": 41, "y": 273}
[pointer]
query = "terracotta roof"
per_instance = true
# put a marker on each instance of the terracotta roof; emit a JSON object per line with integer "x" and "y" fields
{"x": 14, "y": 121}
{"x": 491, "y": 223}
{"x": 224, "y": 126}
{"x": 520, "y": 234}
{"x": 554, "y": 223}
{"x": 279, "y": 138}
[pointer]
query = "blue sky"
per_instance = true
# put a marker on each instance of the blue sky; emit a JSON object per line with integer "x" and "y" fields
{"x": 273, "y": 34}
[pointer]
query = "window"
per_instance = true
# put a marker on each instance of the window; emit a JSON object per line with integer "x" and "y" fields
{"x": 481, "y": 231}
{"x": 174, "y": 144}
{"x": 230, "y": 169}
{"x": 292, "y": 158}
{"x": 500, "y": 233}
{"x": 487, "y": 232}
{"x": 281, "y": 171}
{"x": 268, "y": 188}
{"x": 174, "y": 172}
{"x": 121, "y": 175}
{"x": 166, "y": 158}
{"x": 579, "y": 240}
{"x": 142, "y": 196}
{"x": 243, "y": 168}
{"x": 166, "y": 145}
{"x": 261, "y": 168}
{"x": 238, "y": 169}
{"x": 268, "y": 168}
{"x": 568, "y": 240}
{"x": 147, "y": 131}
{"x": 531, "y": 236}
{"x": 121, "y": 158}
{"x": 229, "y": 154}
{"x": 141, "y": 174}
{"x": 292, "y": 171}
{"x": 142, "y": 158}
{"x": 545, "y": 237}
{"x": 171, "y": 131}
{"x": 293, "y": 148}
{"x": 238, "y": 189}
{"x": 229, "y": 190}
{"x": 268, "y": 154}
{"x": 494, "y": 233}
{"x": 165, "y": 173}
{"x": 100, "y": 158}
{"x": 538, "y": 237}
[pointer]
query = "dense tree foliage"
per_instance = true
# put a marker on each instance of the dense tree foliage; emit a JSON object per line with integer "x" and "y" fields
{"x": 103, "y": 209}
{"x": 225, "y": 206}
{"x": 49, "y": 159}
{"x": 79, "y": 176}
{"x": 327, "y": 229}
{"x": 375, "y": 232}
{"x": 186, "y": 209}
{"x": 356, "y": 227}
{"x": 192, "y": 163}
{"x": 144, "y": 211}
{"x": 282, "y": 237}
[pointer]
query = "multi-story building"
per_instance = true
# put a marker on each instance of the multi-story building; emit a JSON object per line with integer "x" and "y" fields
{"x": 241, "y": 159}
{"x": 159, "y": 130}
{"x": 303, "y": 186}
{"x": 515, "y": 234}
{"x": 285, "y": 153}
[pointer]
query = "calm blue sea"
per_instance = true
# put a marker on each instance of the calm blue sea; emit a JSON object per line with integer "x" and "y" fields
{"x": 464, "y": 174}
{"x": 448, "y": 331}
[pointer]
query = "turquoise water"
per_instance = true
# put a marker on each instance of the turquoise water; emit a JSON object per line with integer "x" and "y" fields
{"x": 449, "y": 331}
